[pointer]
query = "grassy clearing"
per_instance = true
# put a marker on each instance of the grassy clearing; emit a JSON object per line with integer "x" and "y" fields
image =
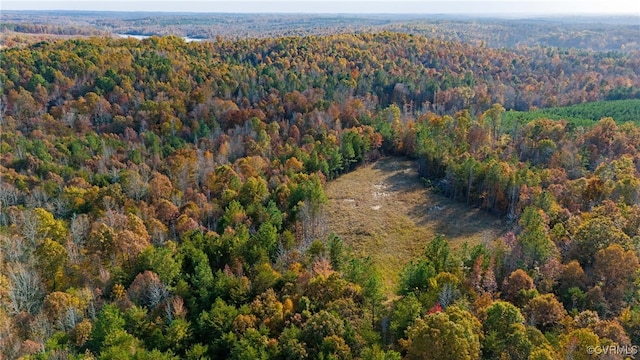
{"x": 382, "y": 210}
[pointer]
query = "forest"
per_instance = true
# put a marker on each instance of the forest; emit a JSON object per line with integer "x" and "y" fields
{"x": 164, "y": 200}
{"x": 601, "y": 33}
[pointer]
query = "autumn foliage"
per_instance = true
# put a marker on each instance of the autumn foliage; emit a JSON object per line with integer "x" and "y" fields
{"x": 162, "y": 199}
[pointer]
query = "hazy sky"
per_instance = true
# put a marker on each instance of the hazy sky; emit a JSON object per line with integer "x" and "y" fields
{"x": 353, "y": 6}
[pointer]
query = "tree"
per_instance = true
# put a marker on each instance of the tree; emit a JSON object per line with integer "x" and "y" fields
{"x": 336, "y": 252}
{"x": 131, "y": 241}
{"x": 416, "y": 277}
{"x": 617, "y": 270}
{"x": 405, "y": 312}
{"x": 630, "y": 320}
{"x": 373, "y": 294}
{"x": 375, "y": 353}
{"x": 254, "y": 191}
{"x": 65, "y": 309}
{"x": 545, "y": 311}
{"x": 213, "y": 325}
{"x": 160, "y": 186}
{"x": 198, "y": 274}
{"x": 519, "y": 288}
{"x": 593, "y": 235}
{"x": 109, "y": 323}
{"x": 162, "y": 261}
{"x": 536, "y": 245}
{"x": 612, "y": 330}
{"x": 263, "y": 245}
{"x": 438, "y": 253}
{"x": 493, "y": 119}
{"x": 436, "y": 335}
{"x": 252, "y": 345}
{"x": 26, "y": 292}
{"x": 320, "y": 326}
{"x": 52, "y": 258}
{"x": 147, "y": 290}
{"x": 574, "y": 344}
{"x": 290, "y": 346}
{"x": 505, "y": 332}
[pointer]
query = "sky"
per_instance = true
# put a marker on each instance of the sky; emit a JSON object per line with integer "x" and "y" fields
{"x": 527, "y": 7}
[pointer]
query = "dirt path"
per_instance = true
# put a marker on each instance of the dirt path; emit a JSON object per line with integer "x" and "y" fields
{"x": 382, "y": 210}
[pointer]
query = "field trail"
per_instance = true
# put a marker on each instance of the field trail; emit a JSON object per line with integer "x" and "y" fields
{"x": 382, "y": 210}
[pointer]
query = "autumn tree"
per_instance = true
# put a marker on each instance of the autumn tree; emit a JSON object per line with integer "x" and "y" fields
{"x": 616, "y": 269}
{"x": 545, "y": 311}
{"x": 436, "y": 334}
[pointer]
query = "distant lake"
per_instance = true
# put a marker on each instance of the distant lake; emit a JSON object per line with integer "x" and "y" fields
{"x": 141, "y": 37}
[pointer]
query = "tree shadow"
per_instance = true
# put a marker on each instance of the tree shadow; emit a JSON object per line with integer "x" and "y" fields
{"x": 404, "y": 172}
{"x": 454, "y": 219}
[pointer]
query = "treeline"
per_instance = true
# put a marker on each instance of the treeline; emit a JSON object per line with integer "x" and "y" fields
{"x": 49, "y": 29}
{"x": 607, "y": 34}
{"x": 165, "y": 200}
{"x": 612, "y": 33}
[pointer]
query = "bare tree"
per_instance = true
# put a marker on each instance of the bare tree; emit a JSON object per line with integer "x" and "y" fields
{"x": 80, "y": 227}
{"x": 29, "y": 224}
{"x": 314, "y": 223}
{"x": 9, "y": 195}
{"x": 3, "y": 109}
{"x": 26, "y": 293}
{"x": 41, "y": 329}
{"x": 70, "y": 319}
{"x": 156, "y": 293}
{"x": 59, "y": 207}
{"x": 135, "y": 185}
{"x": 38, "y": 199}
{"x": 14, "y": 248}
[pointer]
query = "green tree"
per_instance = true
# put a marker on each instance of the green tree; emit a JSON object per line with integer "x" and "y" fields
{"x": 593, "y": 235}
{"x": 405, "y": 312}
{"x": 373, "y": 294}
{"x": 161, "y": 260}
{"x": 505, "y": 332}
{"x": 438, "y": 253}
{"x": 536, "y": 244}
{"x": 52, "y": 258}
{"x": 109, "y": 323}
{"x": 444, "y": 335}
{"x": 213, "y": 325}
{"x": 320, "y": 326}
{"x": 416, "y": 277}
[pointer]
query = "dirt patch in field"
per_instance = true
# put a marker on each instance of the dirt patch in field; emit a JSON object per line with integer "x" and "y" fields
{"x": 382, "y": 210}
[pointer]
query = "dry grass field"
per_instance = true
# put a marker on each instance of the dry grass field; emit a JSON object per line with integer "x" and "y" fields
{"x": 382, "y": 210}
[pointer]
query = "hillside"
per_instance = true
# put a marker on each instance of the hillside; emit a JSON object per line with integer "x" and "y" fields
{"x": 383, "y": 210}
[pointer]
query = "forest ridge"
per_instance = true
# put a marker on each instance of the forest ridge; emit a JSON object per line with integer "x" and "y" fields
{"x": 162, "y": 199}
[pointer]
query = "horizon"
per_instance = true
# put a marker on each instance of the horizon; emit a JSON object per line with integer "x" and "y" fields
{"x": 407, "y": 7}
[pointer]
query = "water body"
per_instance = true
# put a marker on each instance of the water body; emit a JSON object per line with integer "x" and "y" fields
{"x": 141, "y": 37}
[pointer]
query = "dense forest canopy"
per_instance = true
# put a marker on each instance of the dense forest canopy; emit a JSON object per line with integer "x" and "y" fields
{"x": 162, "y": 199}
{"x": 385, "y": 68}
